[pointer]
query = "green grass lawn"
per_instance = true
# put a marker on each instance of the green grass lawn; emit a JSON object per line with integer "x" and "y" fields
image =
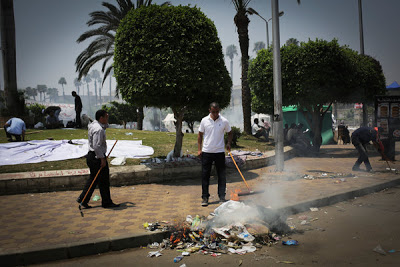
{"x": 161, "y": 142}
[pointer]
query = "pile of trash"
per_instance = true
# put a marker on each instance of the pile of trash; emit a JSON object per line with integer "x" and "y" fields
{"x": 225, "y": 231}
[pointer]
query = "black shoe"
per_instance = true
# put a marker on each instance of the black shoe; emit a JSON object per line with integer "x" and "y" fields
{"x": 204, "y": 203}
{"x": 84, "y": 205}
{"x": 111, "y": 205}
{"x": 370, "y": 170}
{"x": 222, "y": 200}
{"x": 356, "y": 168}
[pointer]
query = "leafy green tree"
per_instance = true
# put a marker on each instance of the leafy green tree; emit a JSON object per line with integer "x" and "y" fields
{"x": 121, "y": 113}
{"x": 171, "y": 57}
{"x": 292, "y": 41}
{"x": 258, "y": 46}
{"x": 192, "y": 115}
{"x": 314, "y": 74}
{"x": 36, "y": 110}
{"x": 62, "y": 81}
{"x": 231, "y": 52}
{"x": 102, "y": 47}
{"x": 242, "y": 23}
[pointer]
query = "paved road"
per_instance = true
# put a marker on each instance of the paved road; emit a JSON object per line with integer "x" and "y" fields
{"x": 340, "y": 235}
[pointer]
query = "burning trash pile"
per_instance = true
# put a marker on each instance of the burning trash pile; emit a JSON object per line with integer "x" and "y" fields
{"x": 233, "y": 228}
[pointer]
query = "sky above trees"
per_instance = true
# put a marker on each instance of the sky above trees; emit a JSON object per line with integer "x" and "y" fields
{"x": 47, "y": 30}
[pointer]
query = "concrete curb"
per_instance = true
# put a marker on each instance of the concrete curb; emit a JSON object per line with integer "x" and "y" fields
{"x": 79, "y": 249}
{"x": 50, "y": 181}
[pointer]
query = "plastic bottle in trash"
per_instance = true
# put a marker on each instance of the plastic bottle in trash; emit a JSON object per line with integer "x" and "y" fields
{"x": 178, "y": 258}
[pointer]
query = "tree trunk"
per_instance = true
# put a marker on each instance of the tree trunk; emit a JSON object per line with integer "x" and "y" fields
{"x": 110, "y": 90}
{"x": 124, "y": 123}
{"x": 316, "y": 128}
{"x": 179, "y": 135}
{"x": 242, "y": 23}
{"x": 140, "y": 118}
{"x": 100, "y": 102}
{"x": 232, "y": 70}
{"x": 191, "y": 126}
{"x": 78, "y": 90}
{"x": 9, "y": 57}
{"x": 95, "y": 93}
{"x": 63, "y": 93}
{"x": 365, "y": 114}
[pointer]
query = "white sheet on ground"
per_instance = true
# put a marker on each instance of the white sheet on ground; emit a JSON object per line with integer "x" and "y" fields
{"x": 51, "y": 150}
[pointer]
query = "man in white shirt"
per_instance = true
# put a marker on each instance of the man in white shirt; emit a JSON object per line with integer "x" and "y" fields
{"x": 258, "y": 131}
{"x": 212, "y": 149}
{"x": 15, "y": 127}
{"x": 96, "y": 159}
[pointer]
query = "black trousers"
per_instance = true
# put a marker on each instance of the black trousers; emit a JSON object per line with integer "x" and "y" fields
{"x": 17, "y": 136}
{"x": 103, "y": 180}
{"x": 362, "y": 154}
{"x": 78, "y": 122}
{"x": 206, "y": 163}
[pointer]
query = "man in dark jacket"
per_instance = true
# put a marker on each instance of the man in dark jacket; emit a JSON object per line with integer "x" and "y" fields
{"x": 78, "y": 109}
{"x": 360, "y": 138}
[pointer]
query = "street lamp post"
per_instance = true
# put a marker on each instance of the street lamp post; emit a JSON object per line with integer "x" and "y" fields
{"x": 252, "y": 11}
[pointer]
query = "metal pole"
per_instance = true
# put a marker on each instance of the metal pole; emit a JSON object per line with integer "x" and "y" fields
{"x": 266, "y": 22}
{"x": 278, "y": 114}
{"x": 364, "y": 108}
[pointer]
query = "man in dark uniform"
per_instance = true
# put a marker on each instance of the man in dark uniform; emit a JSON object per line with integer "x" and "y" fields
{"x": 96, "y": 159}
{"x": 360, "y": 138}
{"x": 78, "y": 109}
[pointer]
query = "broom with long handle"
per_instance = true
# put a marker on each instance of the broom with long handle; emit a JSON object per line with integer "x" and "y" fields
{"x": 248, "y": 187}
{"x": 98, "y": 172}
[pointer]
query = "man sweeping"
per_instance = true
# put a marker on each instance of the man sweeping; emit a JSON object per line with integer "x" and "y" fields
{"x": 360, "y": 138}
{"x": 212, "y": 149}
{"x": 96, "y": 159}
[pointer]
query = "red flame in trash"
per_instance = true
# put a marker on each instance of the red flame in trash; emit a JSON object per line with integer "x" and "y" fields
{"x": 235, "y": 195}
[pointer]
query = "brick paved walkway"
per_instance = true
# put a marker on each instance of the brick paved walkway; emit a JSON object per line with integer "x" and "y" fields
{"x": 34, "y": 220}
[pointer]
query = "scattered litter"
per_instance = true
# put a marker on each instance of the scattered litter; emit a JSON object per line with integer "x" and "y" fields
{"x": 392, "y": 251}
{"x": 240, "y": 262}
{"x": 129, "y": 133}
{"x": 324, "y": 174}
{"x": 379, "y": 250}
{"x": 314, "y": 209}
{"x": 96, "y": 198}
{"x": 314, "y": 219}
{"x": 303, "y": 222}
{"x": 118, "y": 161}
{"x": 185, "y": 253}
{"x": 178, "y": 258}
{"x": 154, "y": 254}
{"x": 154, "y": 245}
{"x": 290, "y": 243}
{"x": 132, "y": 188}
{"x": 183, "y": 265}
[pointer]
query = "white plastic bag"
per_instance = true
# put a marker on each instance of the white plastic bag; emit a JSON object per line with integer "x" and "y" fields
{"x": 118, "y": 161}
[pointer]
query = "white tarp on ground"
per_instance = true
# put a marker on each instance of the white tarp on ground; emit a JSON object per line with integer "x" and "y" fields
{"x": 51, "y": 150}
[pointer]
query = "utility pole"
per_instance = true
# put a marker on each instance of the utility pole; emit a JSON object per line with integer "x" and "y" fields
{"x": 278, "y": 114}
{"x": 360, "y": 19}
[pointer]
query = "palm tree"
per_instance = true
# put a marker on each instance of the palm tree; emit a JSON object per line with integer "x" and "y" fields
{"x": 53, "y": 94}
{"x": 231, "y": 52}
{"x": 62, "y": 81}
{"x": 102, "y": 47}
{"x": 242, "y": 23}
{"x": 77, "y": 84}
{"x": 41, "y": 88}
{"x": 258, "y": 46}
{"x": 87, "y": 80}
{"x": 111, "y": 74}
{"x": 292, "y": 41}
{"x": 7, "y": 29}
{"x": 95, "y": 75}
{"x": 29, "y": 91}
